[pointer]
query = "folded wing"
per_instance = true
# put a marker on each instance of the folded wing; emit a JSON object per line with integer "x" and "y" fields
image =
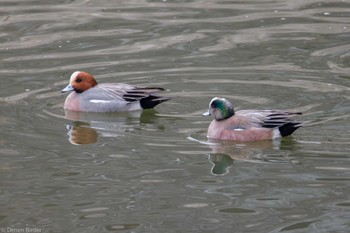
{"x": 269, "y": 118}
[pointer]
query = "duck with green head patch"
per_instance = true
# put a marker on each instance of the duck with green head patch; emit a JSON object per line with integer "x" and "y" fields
{"x": 249, "y": 125}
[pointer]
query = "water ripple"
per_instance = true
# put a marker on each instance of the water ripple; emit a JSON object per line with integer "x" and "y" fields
{"x": 139, "y": 171}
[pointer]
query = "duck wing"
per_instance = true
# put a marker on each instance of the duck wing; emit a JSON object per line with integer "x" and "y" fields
{"x": 122, "y": 92}
{"x": 108, "y": 92}
{"x": 268, "y": 118}
{"x": 124, "y": 95}
{"x": 138, "y": 93}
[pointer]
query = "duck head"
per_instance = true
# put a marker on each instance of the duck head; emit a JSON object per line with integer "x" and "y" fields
{"x": 220, "y": 108}
{"x": 79, "y": 82}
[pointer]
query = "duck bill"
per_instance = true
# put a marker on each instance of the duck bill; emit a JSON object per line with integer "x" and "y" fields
{"x": 67, "y": 89}
{"x": 206, "y": 114}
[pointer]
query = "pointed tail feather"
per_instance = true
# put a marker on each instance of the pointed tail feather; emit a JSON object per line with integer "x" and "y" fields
{"x": 152, "y": 100}
{"x": 289, "y": 128}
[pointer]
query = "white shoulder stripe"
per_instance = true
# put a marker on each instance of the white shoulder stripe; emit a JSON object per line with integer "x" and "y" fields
{"x": 99, "y": 101}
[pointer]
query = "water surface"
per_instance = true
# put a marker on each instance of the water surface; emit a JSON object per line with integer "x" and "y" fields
{"x": 155, "y": 171}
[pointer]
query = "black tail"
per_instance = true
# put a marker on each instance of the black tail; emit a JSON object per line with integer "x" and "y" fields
{"x": 152, "y": 100}
{"x": 289, "y": 128}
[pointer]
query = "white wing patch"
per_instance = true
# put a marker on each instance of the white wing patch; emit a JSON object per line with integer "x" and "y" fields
{"x": 99, "y": 101}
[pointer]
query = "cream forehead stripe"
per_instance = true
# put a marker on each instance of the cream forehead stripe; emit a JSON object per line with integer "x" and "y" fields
{"x": 73, "y": 76}
{"x": 216, "y": 98}
{"x": 213, "y": 99}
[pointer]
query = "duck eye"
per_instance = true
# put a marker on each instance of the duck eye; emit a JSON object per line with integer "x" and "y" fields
{"x": 78, "y": 80}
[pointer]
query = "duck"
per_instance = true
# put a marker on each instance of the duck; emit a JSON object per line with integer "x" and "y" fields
{"x": 249, "y": 125}
{"x": 86, "y": 95}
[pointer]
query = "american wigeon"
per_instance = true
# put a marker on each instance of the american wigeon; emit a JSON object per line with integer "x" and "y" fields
{"x": 248, "y": 125}
{"x": 88, "y": 96}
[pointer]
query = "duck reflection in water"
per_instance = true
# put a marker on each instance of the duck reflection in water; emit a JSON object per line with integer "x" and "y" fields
{"x": 224, "y": 154}
{"x": 81, "y": 133}
{"x": 85, "y": 127}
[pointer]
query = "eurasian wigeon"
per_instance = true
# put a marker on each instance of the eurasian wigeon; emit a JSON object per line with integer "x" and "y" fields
{"x": 88, "y": 96}
{"x": 248, "y": 125}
